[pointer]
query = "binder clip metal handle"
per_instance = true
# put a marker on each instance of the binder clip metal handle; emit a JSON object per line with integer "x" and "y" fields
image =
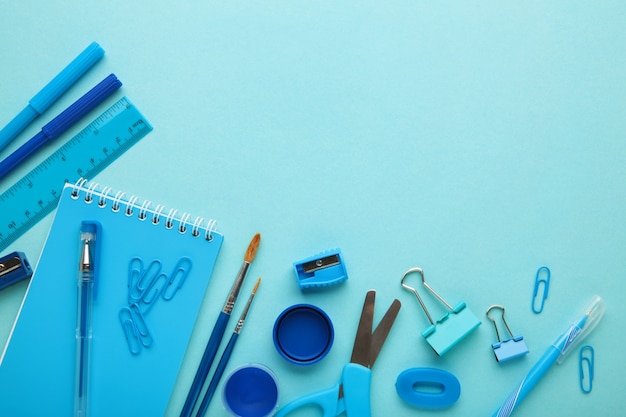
{"x": 510, "y": 348}
{"x": 452, "y": 327}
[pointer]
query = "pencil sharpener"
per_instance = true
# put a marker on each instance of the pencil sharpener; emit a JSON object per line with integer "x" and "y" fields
{"x": 14, "y": 267}
{"x": 510, "y": 348}
{"x": 321, "y": 270}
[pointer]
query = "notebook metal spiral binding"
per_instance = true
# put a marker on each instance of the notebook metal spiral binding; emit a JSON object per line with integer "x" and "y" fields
{"x": 131, "y": 206}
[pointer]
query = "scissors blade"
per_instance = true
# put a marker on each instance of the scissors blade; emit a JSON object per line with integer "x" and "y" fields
{"x": 382, "y": 331}
{"x": 363, "y": 339}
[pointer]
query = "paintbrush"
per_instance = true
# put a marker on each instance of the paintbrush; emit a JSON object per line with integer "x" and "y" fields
{"x": 218, "y": 330}
{"x": 219, "y": 371}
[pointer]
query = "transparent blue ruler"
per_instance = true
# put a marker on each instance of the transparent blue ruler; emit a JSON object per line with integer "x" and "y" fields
{"x": 85, "y": 155}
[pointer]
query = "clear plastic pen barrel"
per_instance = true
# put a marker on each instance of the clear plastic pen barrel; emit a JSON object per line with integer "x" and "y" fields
{"x": 83, "y": 333}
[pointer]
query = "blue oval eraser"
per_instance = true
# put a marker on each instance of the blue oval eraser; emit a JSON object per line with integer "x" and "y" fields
{"x": 428, "y": 387}
{"x": 321, "y": 270}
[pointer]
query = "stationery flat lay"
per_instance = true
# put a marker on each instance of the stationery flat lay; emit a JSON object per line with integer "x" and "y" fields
{"x": 412, "y": 198}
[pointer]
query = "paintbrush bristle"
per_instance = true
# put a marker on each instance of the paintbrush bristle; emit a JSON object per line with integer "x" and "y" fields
{"x": 252, "y": 248}
{"x": 256, "y": 286}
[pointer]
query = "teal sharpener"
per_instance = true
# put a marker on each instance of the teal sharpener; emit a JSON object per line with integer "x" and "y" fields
{"x": 445, "y": 333}
{"x": 507, "y": 349}
{"x": 321, "y": 270}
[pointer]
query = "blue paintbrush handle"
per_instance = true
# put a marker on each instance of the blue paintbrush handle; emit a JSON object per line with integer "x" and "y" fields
{"x": 219, "y": 371}
{"x": 205, "y": 364}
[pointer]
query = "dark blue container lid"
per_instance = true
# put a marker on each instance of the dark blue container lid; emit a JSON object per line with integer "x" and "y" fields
{"x": 303, "y": 334}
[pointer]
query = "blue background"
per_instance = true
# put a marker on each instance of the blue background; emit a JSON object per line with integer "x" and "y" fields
{"x": 477, "y": 140}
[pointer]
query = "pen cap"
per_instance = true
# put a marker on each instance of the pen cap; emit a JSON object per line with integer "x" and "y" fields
{"x": 70, "y": 74}
{"x": 589, "y": 319}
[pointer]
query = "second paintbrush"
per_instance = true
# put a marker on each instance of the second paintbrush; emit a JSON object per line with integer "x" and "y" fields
{"x": 218, "y": 330}
{"x": 221, "y": 366}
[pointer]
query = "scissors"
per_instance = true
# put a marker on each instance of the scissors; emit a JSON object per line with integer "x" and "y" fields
{"x": 352, "y": 394}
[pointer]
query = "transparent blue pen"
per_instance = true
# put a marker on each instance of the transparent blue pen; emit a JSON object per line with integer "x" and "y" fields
{"x": 86, "y": 294}
{"x": 577, "y": 331}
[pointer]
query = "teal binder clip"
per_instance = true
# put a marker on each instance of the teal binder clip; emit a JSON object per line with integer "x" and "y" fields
{"x": 452, "y": 327}
{"x": 506, "y": 349}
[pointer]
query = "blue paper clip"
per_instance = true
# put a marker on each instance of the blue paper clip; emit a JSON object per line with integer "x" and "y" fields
{"x": 546, "y": 285}
{"x": 135, "y": 268}
{"x": 155, "y": 289}
{"x": 130, "y": 331}
{"x": 508, "y": 348}
{"x": 452, "y": 327}
{"x": 146, "y": 278}
{"x": 176, "y": 281}
{"x": 586, "y": 365}
{"x": 322, "y": 270}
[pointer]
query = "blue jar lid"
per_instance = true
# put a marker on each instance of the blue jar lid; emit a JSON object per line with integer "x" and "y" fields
{"x": 303, "y": 334}
{"x": 251, "y": 391}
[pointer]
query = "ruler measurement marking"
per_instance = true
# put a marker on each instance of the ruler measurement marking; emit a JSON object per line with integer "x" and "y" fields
{"x": 85, "y": 155}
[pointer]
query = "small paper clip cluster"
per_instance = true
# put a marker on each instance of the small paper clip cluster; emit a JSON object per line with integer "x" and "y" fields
{"x": 145, "y": 287}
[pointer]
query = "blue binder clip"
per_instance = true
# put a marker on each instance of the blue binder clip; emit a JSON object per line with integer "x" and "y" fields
{"x": 452, "y": 327}
{"x": 14, "y": 267}
{"x": 509, "y": 348}
{"x": 321, "y": 270}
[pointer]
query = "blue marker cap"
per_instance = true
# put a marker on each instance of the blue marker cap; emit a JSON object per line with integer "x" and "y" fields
{"x": 51, "y": 92}
{"x": 66, "y": 78}
{"x": 303, "y": 334}
{"x": 251, "y": 391}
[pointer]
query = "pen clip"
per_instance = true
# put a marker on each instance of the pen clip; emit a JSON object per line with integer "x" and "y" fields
{"x": 93, "y": 228}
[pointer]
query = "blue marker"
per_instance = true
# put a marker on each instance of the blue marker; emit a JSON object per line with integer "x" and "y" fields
{"x": 51, "y": 92}
{"x": 556, "y": 353}
{"x": 61, "y": 123}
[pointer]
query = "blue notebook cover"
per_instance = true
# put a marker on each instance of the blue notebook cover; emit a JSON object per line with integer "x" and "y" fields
{"x": 38, "y": 367}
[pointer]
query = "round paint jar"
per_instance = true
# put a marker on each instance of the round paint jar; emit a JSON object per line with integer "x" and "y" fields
{"x": 303, "y": 334}
{"x": 251, "y": 391}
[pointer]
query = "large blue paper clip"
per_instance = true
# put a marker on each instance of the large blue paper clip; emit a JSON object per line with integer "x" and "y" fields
{"x": 452, "y": 327}
{"x": 506, "y": 349}
{"x": 542, "y": 277}
{"x": 321, "y": 270}
{"x": 14, "y": 267}
{"x": 585, "y": 366}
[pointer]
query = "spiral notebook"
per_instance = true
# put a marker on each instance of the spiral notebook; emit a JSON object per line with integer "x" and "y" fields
{"x": 154, "y": 268}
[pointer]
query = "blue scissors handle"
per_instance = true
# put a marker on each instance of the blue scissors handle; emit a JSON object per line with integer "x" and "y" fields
{"x": 328, "y": 400}
{"x": 355, "y": 382}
